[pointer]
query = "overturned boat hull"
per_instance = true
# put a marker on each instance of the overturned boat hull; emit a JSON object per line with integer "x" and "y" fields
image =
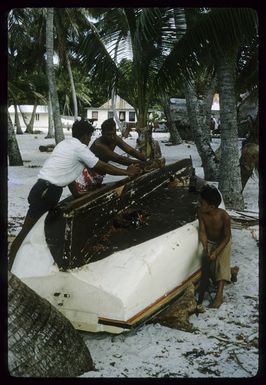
{"x": 119, "y": 287}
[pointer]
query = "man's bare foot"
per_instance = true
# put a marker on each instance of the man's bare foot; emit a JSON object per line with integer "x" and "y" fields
{"x": 215, "y": 304}
{"x": 234, "y": 272}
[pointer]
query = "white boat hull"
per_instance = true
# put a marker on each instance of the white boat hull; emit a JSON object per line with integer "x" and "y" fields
{"x": 119, "y": 291}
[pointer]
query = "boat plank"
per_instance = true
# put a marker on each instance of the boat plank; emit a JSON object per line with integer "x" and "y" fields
{"x": 75, "y": 229}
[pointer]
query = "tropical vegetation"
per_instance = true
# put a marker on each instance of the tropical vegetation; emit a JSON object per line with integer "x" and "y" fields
{"x": 147, "y": 56}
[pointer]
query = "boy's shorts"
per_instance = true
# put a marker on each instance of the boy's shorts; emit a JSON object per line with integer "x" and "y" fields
{"x": 220, "y": 268}
{"x": 42, "y": 197}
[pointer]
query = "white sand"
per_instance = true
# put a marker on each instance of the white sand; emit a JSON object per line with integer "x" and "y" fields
{"x": 225, "y": 344}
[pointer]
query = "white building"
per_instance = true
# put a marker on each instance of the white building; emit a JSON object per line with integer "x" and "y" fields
{"x": 125, "y": 112}
{"x": 41, "y": 117}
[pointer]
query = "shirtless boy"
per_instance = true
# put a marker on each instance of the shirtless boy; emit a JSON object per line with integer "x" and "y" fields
{"x": 215, "y": 236}
{"x": 103, "y": 148}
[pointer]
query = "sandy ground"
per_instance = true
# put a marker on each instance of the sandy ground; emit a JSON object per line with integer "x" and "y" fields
{"x": 225, "y": 343}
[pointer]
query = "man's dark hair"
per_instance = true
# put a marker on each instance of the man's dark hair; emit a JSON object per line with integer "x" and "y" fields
{"x": 80, "y": 128}
{"x": 108, "y": 125}
{"x": 211, "y": 195}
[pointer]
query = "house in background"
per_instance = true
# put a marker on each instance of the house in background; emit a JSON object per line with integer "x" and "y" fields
{"x": 41, "y": 117}
{"x": 126, "y": 113}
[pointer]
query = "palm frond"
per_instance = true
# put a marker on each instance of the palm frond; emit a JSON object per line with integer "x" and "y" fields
{"x": 215, "y": 32}
{"x": 95, "y": 58}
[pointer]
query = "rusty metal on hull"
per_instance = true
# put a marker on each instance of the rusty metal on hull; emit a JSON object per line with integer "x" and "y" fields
{"x": 76, "y": 226}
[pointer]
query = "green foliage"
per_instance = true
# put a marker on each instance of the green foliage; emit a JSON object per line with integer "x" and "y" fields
{"x": 139, "y": 52}
{"x": 209, "y": 36}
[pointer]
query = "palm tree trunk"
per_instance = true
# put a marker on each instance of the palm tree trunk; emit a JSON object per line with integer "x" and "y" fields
{"x": 50, "y": 119}
{"x": 197, "y": 119}
{"x": 142, "y": 103}
{"x": 211, "y": 86}
{"x": 14, "y": 155}
{"x": 73, "y": 89}
{"x": 24, "y": 117}
{"x": 229, "y": 173}
{"x": 41, "y": 341}
{"x": 59, "y": 134}
{"x": 175, "y": 137}
{"x": 17, "y": 121}
{"x": 116, "y": 118}
{"x": 113, "y": 93}
{"x": 29, "y": 129}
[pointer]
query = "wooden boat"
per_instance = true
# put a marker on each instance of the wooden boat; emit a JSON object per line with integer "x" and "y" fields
{"x": 115, "y": 257}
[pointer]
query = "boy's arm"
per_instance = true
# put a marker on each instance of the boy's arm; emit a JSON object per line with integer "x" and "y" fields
{"x": 130, "y": 150}
{"x": 202, "y": 232}
{"x": 226, "y": 235}
{"x": 102, "y": 150}
{"x": 131, "y": 170}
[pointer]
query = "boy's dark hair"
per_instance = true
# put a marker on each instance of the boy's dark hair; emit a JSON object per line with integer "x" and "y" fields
{"x": 108, "y": 125}
{"x": 80, "y": 128}
{"x": 211, "y": 195}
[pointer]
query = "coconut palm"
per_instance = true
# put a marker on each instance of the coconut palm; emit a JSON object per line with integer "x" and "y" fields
{"x": 41, "y": 341}
{"x": 83, "y": 90}
{"x": 59, "y": 134}
{"x": 199, "y": 97}
{"x": 198, "y": 91}
{"x": 69, "y": 23}
{"x": 14, "y": 155}
{"x": 50, "y": 133}
{"x": 17, "y": 121}
{"x": 221, "y": 33}
{"x": 144, "y": 33}
{"x": 247, "y": 84}
{"x": 25, "y": 81}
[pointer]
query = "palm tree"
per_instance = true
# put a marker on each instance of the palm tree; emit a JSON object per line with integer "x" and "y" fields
{"x": 199, "y": 101}
{"x": 198, "y": 91}
{"x": 59, "y": 135}
{"x": 221, "y": 32}
{"x": 143, "y": 32}
{"x": 83, "y": 90}
{"x": 175, "y": 137}
{"x": 26, "y": 81}
{"x": 33, "y": 37}
{"x": 247, "y": 84}
{"x": 14, "y": 155}
{"x": 50, "y": 133}
{"x": 17, "y": 121}
{"x": 67, "y": 22}
{"x": 69, "y": 25}
{"x": 41, "y": 341}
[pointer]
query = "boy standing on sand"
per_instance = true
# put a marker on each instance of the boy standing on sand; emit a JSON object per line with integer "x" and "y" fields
{"x": 215, "y": 236}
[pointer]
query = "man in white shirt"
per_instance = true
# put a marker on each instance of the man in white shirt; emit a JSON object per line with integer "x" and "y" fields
{"x": 63, "y": 166}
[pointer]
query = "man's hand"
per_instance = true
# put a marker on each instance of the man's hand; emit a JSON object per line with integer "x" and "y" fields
{"x": 133, "y": 169}
{"x": 212, "y": 256}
